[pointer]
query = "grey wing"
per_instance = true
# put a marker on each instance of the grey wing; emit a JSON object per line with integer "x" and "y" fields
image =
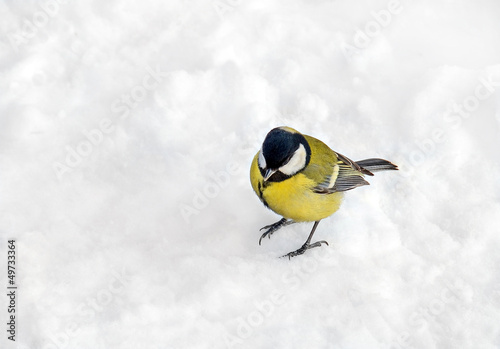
{"x": 346, "y": 175}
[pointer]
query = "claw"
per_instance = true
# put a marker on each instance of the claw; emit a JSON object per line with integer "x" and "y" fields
{"x": 264, "y": 235}
{"x": 268, "y": 234}
{"x": 271, "y": 228}
{"x": 266, "y": 227}
{"x": 304, "y": 248}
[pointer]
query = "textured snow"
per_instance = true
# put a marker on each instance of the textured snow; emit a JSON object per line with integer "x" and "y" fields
{"x": 127, "y": 132}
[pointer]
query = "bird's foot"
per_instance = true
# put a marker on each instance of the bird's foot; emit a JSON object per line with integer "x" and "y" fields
{"x": 304, "y": 248}
{"x": 271, "y": 228}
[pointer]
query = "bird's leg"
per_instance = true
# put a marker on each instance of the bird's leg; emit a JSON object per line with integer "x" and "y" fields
{"x": 271, "y": 228}
{"x": 307, "y": 245}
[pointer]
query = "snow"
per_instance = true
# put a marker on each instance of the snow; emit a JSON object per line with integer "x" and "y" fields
{"x": 127, "y": 133}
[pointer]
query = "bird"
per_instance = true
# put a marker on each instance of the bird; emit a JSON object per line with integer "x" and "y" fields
{"x": 301, "y": 179}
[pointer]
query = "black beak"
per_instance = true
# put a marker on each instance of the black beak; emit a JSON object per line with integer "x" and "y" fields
{"x": 269, "y": 172}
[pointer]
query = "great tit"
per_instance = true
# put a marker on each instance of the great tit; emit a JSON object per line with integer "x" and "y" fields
{"x": 303, "y": 180}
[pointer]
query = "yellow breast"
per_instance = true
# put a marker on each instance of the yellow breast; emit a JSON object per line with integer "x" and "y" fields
{"x": 293, "y": 198}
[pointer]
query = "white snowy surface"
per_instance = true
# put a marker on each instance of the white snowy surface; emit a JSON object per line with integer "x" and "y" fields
{"x": 150, "y": 238}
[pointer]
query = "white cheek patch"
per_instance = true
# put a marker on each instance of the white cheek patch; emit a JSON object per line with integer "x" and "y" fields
{"x": 262, "y": 160}
{"x": 296, "y": 163}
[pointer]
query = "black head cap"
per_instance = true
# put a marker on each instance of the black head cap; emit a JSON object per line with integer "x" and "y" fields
{"x": 280, "y": 144}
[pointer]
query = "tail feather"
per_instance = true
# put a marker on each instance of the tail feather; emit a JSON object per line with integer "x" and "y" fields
{"x": 375, "y": 165}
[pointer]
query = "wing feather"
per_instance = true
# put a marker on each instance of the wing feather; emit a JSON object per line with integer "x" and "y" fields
{"x": 345, "y": 175}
